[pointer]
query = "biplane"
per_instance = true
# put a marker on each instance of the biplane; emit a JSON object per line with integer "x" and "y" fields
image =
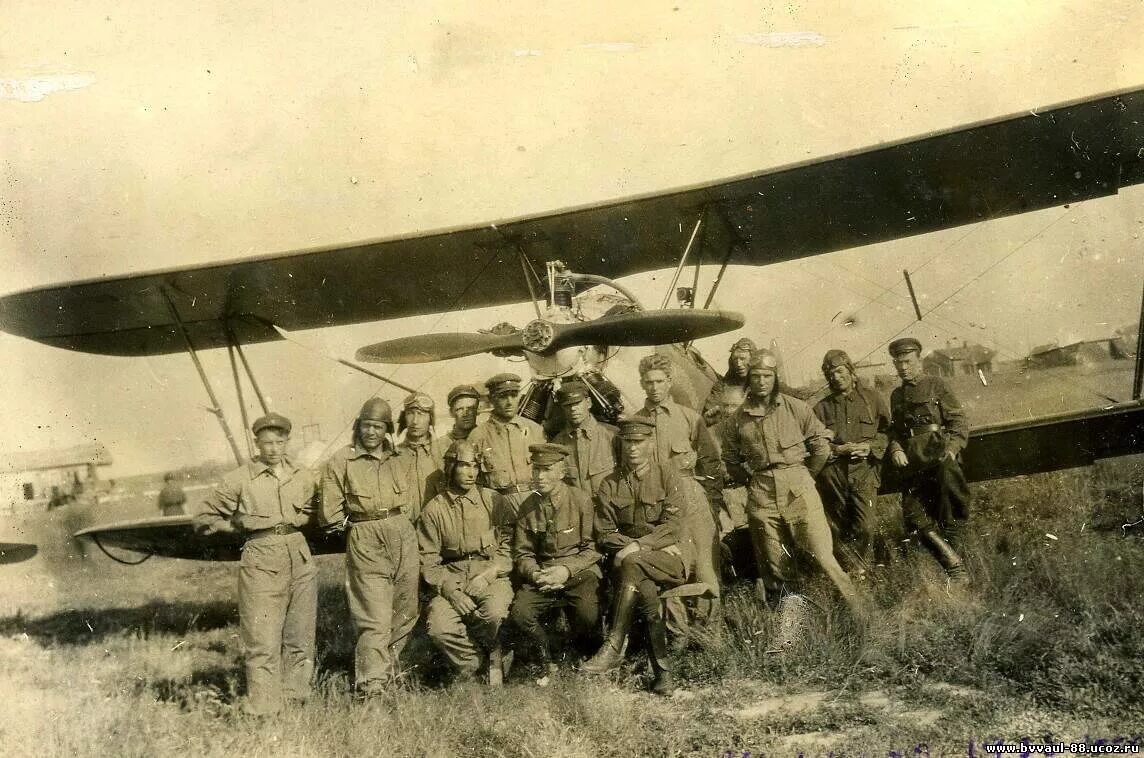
{"x": 1039, "y": 159}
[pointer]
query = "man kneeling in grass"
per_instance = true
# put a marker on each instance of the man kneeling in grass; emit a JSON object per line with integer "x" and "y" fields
{"x": 464, "y": 535}
{"x": 639, "y": 522}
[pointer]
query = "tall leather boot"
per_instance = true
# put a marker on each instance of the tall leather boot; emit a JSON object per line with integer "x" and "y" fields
{"x": 611, "y": 652}
{"x": 664, "y": 683}
{"x": 946, "y": 556}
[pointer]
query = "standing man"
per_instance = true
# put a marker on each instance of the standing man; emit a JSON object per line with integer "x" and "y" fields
{"x": 859, "y": 422}
{"x": 503, "y": 440}
{"x": 684, "y": 442}
{"x": 421, "y": 454}
{"x": 592, "y": 443}
{"x": 736, "y": 376}
{"x": 928, "y": 432}
{"x": 366, "y": 488}
{"x": 640, "y": 525}
{"x": 171, "y": 497}
{"x": 465, "y": 536}
{"x": 266, "y": 502}
{"x": 463, "y": 401}
{"x": 555, "y": 557}
{"x": 766, "y": 444}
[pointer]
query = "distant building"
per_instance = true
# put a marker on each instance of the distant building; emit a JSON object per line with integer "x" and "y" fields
{"x": 49, "y": 477}
{"x": 964, "y": 359}
{"x": 1085, "y": 352}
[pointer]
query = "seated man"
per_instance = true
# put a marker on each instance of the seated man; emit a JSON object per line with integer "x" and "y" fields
{"x": 464, "y": 536}
{"x": 555, "y": 556}
{"x": 639, "y": 522}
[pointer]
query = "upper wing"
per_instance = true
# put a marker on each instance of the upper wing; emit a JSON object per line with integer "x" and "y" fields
{"x": 175, "y": 537}
{"x": 1018, "y": 164}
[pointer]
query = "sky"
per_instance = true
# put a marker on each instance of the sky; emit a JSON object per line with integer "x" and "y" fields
{"x": 136, "y": 137}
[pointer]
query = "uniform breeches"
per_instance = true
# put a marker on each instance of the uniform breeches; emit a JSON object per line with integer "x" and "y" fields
{"x": 785, "y": 516}
{"x": 649, "y": 571}
{"x": 580, "y": 601}
{"x": 463, "y": 639}
{"x": 937, "y": 497}
{"x": 849, "y": 491}
{"x": 382, "y": 570}
{"x": 277, "y": 608}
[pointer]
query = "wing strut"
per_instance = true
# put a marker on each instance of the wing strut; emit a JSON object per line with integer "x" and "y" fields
{"x": 1138, "y": 379}
{"x": 913, "y": 297}
{"x": 682, "y": 262}
{"x": 250, "y": 374}
{"x": 238, "y": 390}
{"x": 216, "y": 409}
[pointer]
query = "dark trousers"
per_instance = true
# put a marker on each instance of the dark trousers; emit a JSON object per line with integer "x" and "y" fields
{"x": 579, "y": 600}
{"x": 649, "y": 571}
{"x": 849, "y": 490}
{"x": 936, "y": 498}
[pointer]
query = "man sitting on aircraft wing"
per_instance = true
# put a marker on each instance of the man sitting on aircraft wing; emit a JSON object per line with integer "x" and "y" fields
{"x": 465, "y": 536}
{"x": 267, "y": 501}
{"x": 766, "y": 445}
{"x": 463, "y": 402}
{"x": 640, "y": 524}
{"x": 592, "y": 443}
{"x": 421, "y": 454}
{"x": 503, "y": 440}
{"x": 555, "y": 557}
{"x": 927, "y": 434}
{"x": 367, "y": 488}
{"x": 858, "y": 420}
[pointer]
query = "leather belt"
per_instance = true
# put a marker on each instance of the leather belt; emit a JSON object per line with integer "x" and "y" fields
{"x": 375, "y": 516}
{"x": 924, "y": 428}
{"x": 280, "y": 529}
{"x": 513, "y": 489}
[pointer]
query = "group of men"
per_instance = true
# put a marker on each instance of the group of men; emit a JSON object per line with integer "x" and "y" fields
{"x": 499, "y": 528}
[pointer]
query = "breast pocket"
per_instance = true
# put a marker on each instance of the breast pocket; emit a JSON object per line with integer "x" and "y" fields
{"x": 250, "y": 515}
{"x": 653, "y": 512}
{"x": 683, "y": 456}
{"x": 920, "y": 412}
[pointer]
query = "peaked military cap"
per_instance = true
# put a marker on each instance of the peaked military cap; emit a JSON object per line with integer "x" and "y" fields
{"x": 636, "y": 428}
{"x": 905, "y": 345}
{"x": 572, "y": 392}
{"x": 503, "y": 383}
{"x": 547, "y": 453}
{"x": 462, "y": 390}
{"x": 272, "y": 421}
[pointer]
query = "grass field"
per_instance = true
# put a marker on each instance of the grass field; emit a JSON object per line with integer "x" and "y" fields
{"x": 103, "y": 659}
{"x": 1045, "y": 644}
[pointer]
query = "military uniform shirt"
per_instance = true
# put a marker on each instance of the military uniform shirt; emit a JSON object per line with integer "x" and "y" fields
{"x": 555, "y": 531}
{"x": 760, "y": 436}
{"x": 593, "y": 447}
{"x": 646, "y": 508}
{"x": 928, "y": 401}
{"x": 458, "y": 530}
{"x": 361, "y": 485}
{"x": 504, "y": 447}
{"x": 860, "y": 416}
{"x": 424, "y": 463}
{"x": 255, "y": 496}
